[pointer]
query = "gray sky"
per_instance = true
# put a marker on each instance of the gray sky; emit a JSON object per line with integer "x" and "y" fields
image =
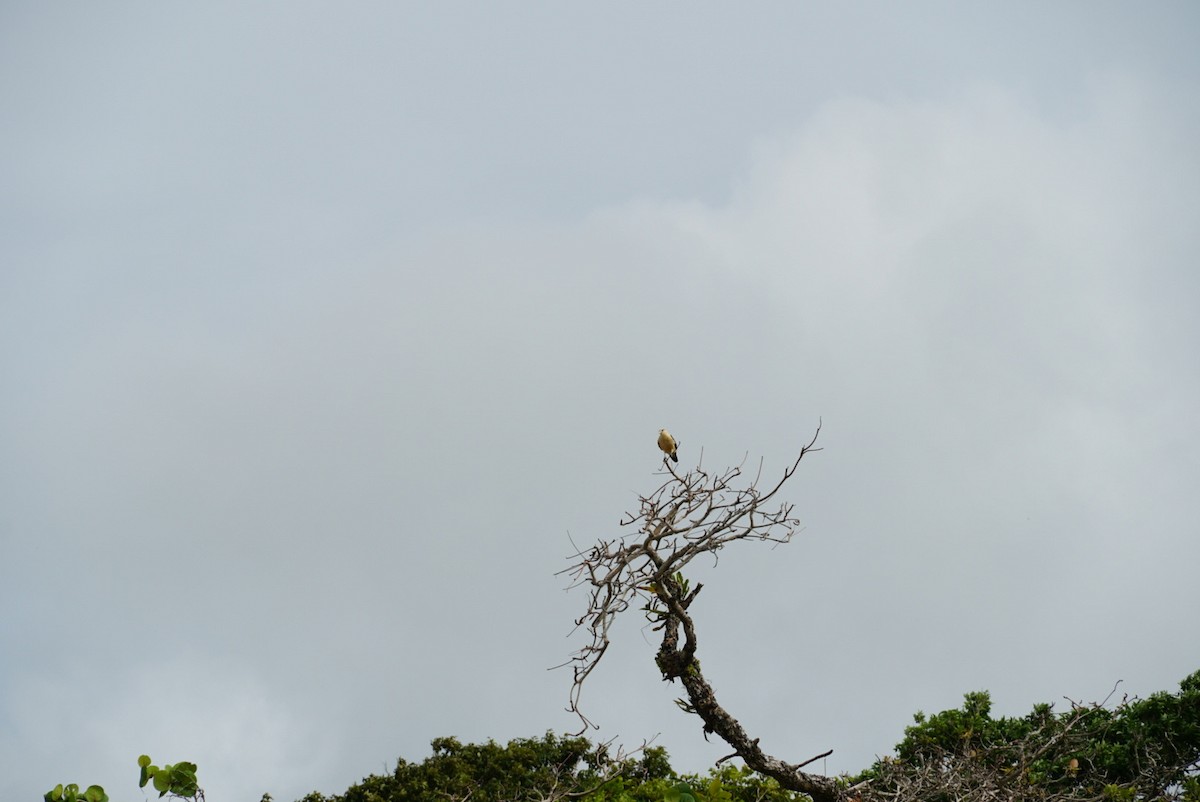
{"x": 322, "y": 326}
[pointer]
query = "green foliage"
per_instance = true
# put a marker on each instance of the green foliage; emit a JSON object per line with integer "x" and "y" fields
{"x": 736, "y": 784}
{"x": 484, "y": 771}
{"x": 71, "y": 793}
{"x": 554, "y": 767}
{"x": 177, "y": 780}
{"x": 679, "y": 792}
{"x": 1141, "y": 749}
{"x": 656, "y": 612}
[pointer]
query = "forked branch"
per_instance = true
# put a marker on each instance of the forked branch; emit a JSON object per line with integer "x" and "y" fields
{"x": 689, "y": 515}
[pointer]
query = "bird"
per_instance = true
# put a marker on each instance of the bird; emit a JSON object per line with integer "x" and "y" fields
{"x": 667, "y": 443}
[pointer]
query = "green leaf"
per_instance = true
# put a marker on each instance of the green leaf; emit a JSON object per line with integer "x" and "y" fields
{"x": 54, "y": 794}
{"x": 144, "y": 761}
{"x": 95, "y": 793}
{"x": 715, "y": 792}
{"x": 680, "y": 793}
{"x": 162, "y": 780}
{"x": 183, "y": 779}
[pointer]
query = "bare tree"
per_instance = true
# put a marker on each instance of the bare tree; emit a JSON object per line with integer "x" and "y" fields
{"x": 689, "y": 515}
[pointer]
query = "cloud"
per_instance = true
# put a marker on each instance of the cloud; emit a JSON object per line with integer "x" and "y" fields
{"x": 982, "y": 303}
{"x": 341, "y": 488}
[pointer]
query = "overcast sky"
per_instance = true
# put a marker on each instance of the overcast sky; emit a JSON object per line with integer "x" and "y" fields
{"x": 324, "y": 328}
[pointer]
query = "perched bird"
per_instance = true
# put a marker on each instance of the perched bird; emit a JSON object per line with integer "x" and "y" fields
{"x": 667, "y": 443}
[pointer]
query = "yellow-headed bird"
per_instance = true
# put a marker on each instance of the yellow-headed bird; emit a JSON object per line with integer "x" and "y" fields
{"x": 667, "y": 443}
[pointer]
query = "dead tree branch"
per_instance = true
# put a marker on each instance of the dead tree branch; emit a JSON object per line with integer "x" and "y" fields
{"x": 689, "y": 515}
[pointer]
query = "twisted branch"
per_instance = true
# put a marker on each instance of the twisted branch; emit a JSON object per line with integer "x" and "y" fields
{"x": 689, "y": 515}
